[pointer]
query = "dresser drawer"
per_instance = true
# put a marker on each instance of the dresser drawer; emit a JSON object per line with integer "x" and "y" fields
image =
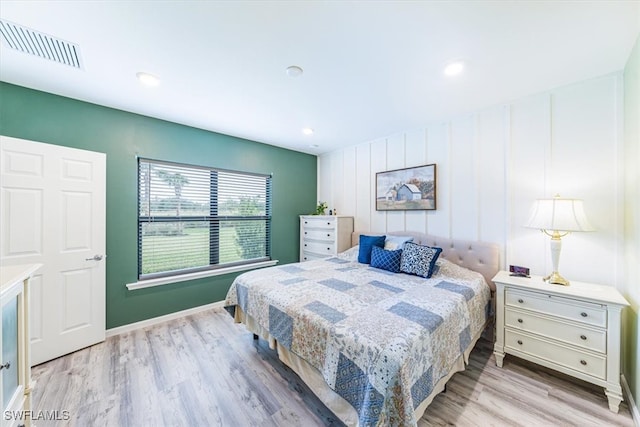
{"x": 319, "y": 247}
{"x": 582, "y": 336}
{"x": 308, "y": 256}
{"x": 579, "y": 311}
{"x": 325, "y": 223}
{"x": 328, "y": 234}
{"x": 571, "y": 358}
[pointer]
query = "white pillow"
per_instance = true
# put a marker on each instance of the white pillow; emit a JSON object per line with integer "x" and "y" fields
{"x": 350, "y": 254}
{"x": 393, "y": 243}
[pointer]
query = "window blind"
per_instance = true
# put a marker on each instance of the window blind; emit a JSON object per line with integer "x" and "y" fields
{"x": 193, "y": 218}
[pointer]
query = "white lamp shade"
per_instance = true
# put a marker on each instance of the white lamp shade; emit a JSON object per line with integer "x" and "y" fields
{"x": 558, "y": 215}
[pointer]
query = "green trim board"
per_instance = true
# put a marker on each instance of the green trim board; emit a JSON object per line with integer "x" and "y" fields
{"x": 44, "y": 117}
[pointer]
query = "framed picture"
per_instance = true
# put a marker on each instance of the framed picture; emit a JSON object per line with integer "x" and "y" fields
{"x": 406, "y": 189}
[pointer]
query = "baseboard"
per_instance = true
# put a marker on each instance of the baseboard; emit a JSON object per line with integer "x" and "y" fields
{"x": 633, "y": 407}
{"x": 161, "y": 319}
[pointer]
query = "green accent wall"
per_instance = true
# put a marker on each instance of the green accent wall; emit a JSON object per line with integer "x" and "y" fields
{"x": 43, "y": 117}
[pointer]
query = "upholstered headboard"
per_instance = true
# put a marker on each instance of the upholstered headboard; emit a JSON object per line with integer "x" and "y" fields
{"x": 477, "y": 256}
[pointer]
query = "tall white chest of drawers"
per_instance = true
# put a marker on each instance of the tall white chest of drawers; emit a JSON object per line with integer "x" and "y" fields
{"x": 573, "y": 329}
{"x": 324, "y": 235}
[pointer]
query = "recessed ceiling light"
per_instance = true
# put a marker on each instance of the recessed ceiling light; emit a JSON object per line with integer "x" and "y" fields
{"x": 147, "y": 79}
{"x": 314, "y": 146}
{"x": 454, "y": 68}
{"x": 294, "y": 71}
{"x": 307, "y": 131}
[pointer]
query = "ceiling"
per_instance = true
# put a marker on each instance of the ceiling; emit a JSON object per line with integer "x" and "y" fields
{"x": 371, "y": 68}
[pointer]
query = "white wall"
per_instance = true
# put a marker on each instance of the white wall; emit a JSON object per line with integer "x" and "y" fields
{"x": 631, "y": 287}
{"x": 492, "y": 165}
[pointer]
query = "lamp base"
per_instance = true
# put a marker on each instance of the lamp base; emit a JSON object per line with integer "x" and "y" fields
{"x": 556, "y": 279}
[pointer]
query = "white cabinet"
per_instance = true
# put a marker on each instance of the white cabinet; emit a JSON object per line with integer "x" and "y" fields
{"x": 324, "y": 235}
{"x": 15, "y": 366}
{"x": 573, "y": 329}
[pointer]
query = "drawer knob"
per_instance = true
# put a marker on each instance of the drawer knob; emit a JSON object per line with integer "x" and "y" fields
{"x": 328, "y": 249}
{"x": 328, "y": 235}
{"x": 519, "y": 320}
{"x": 305, "y": 232}
{"x": 305, "y": 244}
{"x": 583, "y": 314}
{"x": 583, "y": 362}
{"x": 520, "y": 300}
{"x": 583, "y": 337}
{"x": 328, "y": 223}
{"x": 520, "y": 342}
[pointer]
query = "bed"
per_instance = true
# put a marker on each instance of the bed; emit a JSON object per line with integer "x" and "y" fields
{"x": 376, "y": 347}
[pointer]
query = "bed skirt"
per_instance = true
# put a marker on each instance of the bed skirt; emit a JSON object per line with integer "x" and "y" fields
{"x": 316, "y": 383}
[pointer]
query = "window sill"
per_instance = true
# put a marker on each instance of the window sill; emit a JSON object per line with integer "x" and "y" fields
{"x": 198, "y": 275}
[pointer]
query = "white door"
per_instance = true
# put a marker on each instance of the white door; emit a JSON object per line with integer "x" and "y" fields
{"x": 52, "y": 211}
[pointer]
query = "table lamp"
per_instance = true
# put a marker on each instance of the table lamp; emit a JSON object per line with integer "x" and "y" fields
{"x": 556, "y": 218}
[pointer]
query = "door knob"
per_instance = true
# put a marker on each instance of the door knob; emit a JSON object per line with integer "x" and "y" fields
{"x": 96, "y": 258}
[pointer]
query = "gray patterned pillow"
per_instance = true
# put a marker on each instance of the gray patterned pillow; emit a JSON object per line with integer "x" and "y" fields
{"x": 418, "y": 259}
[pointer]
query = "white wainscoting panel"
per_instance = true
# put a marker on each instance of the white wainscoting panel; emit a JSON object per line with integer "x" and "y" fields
{"x": 378, "y": 164}
{"x": 527, "y": 164}
{"x": 349, "y": 175}
{"x": 395, "y": 160}
{"x": 364, "y": 201}
{"x": 438, "y": 149}
{"x": 415, "y": 154}
{"x": 464, "y": 180}
{"x": 492, "y": 165}
{"x": 584, "y": 164}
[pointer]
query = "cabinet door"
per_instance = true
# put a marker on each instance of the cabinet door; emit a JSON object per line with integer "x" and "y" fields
{"x": 9, "y": 361}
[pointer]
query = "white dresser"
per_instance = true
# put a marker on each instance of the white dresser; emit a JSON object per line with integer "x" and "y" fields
{"x": 15, "y": 363}
{"x": 573, "y": 329}
{"x": 324, "y": 235}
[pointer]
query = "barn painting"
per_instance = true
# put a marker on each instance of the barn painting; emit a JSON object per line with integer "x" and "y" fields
{"x": 406, "y": 189}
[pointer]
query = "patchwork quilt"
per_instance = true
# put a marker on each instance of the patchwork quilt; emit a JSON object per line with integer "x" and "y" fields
{"x": 381, "y": 340}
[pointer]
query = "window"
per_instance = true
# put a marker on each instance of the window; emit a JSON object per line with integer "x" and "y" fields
{"x": 193, "y": 218}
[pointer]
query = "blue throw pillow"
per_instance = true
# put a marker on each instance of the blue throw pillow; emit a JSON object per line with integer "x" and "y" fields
{"x": 386, "y": 260}
{"x": 418, "y": 259}
{"x": 366, "y": 243}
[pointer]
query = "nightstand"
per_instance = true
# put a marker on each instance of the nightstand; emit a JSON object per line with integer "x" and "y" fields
{"x": 573, "y": 329}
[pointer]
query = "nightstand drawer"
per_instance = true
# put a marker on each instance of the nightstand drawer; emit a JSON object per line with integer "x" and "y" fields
{"x": 571, "y": 358}
{"x": 329, "y": 223}
{"x": 328, "y": 234}
{"x": 319, "y": 247}
{"x": 585, "y": 337}
{"x": 567, "y": 308}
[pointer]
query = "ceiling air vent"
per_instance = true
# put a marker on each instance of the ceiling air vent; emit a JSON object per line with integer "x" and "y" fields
{"x": 35, "y": 43}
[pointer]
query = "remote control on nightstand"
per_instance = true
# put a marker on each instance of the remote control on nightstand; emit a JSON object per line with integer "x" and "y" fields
{"x": 518, "y": 271}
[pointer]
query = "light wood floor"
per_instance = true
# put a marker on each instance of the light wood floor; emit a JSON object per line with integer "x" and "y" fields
{"x": 203, "y": 370}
